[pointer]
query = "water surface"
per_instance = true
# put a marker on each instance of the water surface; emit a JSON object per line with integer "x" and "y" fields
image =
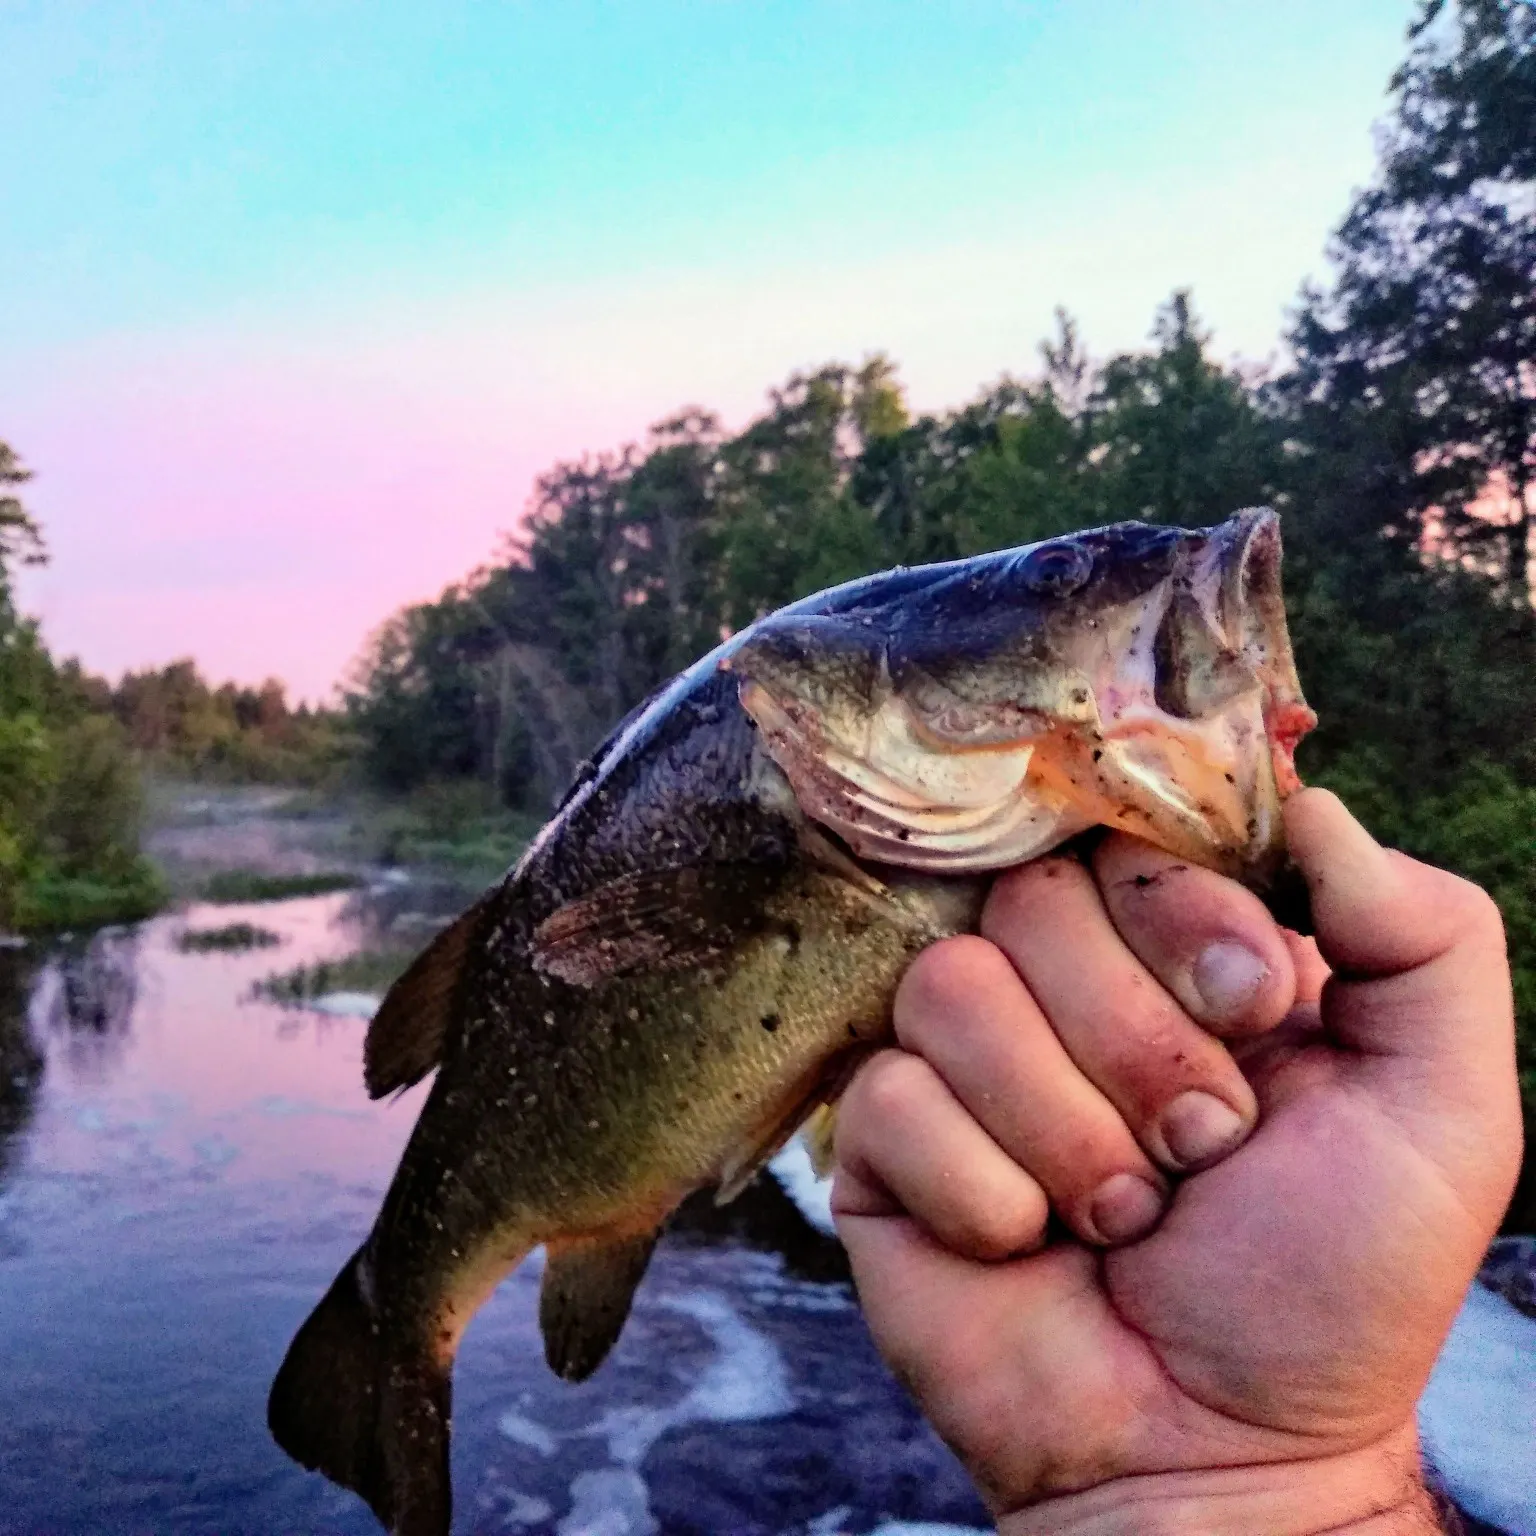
{"x": 183, "y": 1168}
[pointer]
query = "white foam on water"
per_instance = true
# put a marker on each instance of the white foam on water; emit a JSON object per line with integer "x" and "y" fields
{"x": 1478, "y": 1413}
{"x": 925, "y": 1528}
{"x": 791, "y": 1166}
{"x": 612, "y": 1502}
{"x": 525, "y": 1510}
{"x": 517, "y": 1427}
{"x": 745, "y": 1379}
{"x": 346, "y": 1005}
{"x": 831, "y": 1523}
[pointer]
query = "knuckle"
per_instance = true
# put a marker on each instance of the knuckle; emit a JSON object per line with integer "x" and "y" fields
{"x": 998, "y": 1229}
{"x": 891, "y": 1089}
{"x": 1469, "y": 913}
{"x": 944, "y": 980}
{"x": 1484, "y": 919}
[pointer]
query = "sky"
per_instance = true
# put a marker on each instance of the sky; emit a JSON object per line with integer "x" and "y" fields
{"x": 299, "y": 299}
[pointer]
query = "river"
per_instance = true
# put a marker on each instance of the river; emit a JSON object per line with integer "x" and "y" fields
{"x": 184, "y": 1164}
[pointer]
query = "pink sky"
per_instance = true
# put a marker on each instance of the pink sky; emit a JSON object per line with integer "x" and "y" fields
{"x": 262, "y": 497}
{"x": 296, "y": 308}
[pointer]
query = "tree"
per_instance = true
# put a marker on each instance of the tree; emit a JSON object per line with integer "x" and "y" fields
{"x": 1177, "y": 437}
{"x": 786, "y": 525}
{"x": 21, "y": 540}
{"x": 1424, "y": 348}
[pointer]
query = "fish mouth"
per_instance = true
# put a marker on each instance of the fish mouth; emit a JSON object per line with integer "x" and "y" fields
{"x": 1173, "y": 716}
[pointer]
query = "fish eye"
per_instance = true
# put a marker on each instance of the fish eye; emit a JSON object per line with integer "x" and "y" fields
{"x": 1053, "y": 570}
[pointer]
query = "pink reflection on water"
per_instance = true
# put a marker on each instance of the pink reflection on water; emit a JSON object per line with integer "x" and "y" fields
{"x": 195, "y": 1077}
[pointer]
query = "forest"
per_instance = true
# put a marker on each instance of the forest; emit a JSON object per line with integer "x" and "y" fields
{"x": 1398, "y": 442}
{"x": 1397, "y": 438}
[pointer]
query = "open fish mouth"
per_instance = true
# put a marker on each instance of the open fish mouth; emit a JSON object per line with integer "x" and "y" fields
{"x": 1127, "y": 677}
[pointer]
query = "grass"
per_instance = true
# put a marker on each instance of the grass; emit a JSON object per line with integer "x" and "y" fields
{"x": 370, "y": 970}
{"x": 237, "y": 885}
{"x": 232, "y": 938}
{"x": 452, "y": 827}
{"x": 53, "y": 903}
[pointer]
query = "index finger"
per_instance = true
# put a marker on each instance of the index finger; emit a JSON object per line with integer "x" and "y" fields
{"x": 1211, "y": 943}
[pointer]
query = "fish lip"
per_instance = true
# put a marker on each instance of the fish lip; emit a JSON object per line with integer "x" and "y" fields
{"x": 1242, "y": 572}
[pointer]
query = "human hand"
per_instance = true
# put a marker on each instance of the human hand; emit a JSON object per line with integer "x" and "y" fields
{"x": 1249, "y": 1357}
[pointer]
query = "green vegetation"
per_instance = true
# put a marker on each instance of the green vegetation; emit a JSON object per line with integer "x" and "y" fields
{"x": 183, "y": 727}
{"x": 232, "y": 886}
{"x": 232, "y": 938}
{"x": 69, "y": 791}
{"x": 453, "y": 825}
{"x": 371, "y": 970}
{"x": 1399, "y": 445}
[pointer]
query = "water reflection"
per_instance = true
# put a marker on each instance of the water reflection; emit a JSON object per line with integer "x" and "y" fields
{"x": 21, "y": 1063}
{"x": 186, "y": 1167}
{"x": 85, "y": 999}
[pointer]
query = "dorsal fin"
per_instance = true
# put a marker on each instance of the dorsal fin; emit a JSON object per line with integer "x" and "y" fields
{"x": 405, "y": 1039}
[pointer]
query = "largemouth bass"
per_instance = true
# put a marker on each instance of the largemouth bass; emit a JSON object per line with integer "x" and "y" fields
{"x": 698, "y": 949}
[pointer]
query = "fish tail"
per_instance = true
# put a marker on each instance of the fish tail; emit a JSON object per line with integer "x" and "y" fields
{"x": 351, "y": 1402}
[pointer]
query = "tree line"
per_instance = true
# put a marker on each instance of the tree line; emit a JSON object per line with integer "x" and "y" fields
{"x": 73, "y": 748}
{"x": 1398, "y": 442}
{"x": 181, "y": 725}
{"x": 69, "y": 791}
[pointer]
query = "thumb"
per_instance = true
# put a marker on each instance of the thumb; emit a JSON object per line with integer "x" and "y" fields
{"x": 1417, "y": 953}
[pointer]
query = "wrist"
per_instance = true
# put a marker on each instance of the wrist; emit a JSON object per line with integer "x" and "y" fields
{"x": 1376, "y": 1491}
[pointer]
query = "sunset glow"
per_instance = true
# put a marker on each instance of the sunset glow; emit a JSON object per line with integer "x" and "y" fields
{"x": 300, "y": 303}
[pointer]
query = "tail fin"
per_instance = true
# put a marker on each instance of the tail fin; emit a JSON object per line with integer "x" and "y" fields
{"x": 351, "y": 1402}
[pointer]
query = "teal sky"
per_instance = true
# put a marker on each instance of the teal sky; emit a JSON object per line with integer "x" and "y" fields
{"x": 298, "y": 298}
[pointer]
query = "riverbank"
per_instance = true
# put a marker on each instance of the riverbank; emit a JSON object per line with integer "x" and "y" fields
{"x": 199, "y": 835}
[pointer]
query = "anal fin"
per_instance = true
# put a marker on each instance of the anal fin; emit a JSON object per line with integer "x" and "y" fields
{"x": 585, "y": 1298}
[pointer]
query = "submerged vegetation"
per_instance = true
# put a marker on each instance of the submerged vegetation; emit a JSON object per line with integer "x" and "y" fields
{"x": 370, "y": 970}
{"x": 232, "y": 886}
{"x": 231, "y": 938}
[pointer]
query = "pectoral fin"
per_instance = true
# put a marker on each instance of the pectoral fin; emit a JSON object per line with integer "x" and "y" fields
{"x": 585, "y": 1298}
{"x": 663, "y": 919}
{"x": 819, "y": 1135}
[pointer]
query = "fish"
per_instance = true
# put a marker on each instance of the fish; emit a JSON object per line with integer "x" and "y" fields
{"x": 696, "y": 952}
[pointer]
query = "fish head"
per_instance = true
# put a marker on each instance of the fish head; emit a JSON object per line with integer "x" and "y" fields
{"x": 973, "y": 715}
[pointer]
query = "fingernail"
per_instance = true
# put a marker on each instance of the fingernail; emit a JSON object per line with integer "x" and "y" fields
{"x": 1198, "y": 1128}
{"x": 1125, "y": 1207}
{"x": 1226, "y": 976}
